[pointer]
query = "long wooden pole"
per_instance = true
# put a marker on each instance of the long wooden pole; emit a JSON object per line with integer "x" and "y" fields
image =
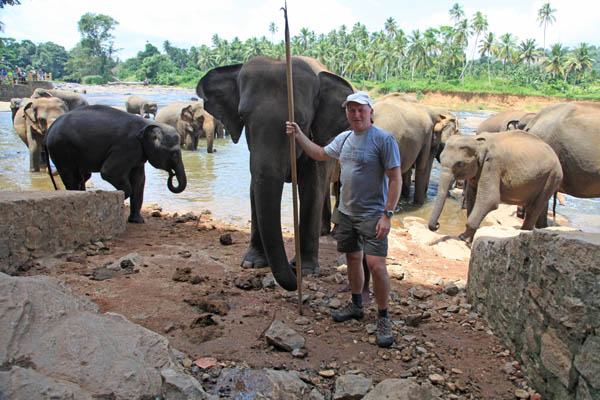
{"x": 290, "y": 93}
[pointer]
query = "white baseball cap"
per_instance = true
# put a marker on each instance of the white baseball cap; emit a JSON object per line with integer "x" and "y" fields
{"x": 360, "y": 98}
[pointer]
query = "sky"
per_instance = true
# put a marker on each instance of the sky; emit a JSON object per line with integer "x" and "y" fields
{"x": 186, "y": 23}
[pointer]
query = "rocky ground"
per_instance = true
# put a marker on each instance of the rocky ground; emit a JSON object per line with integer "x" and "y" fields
{"x": 180, "y": 276}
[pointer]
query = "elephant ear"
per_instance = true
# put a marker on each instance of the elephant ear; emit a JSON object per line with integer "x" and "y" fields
{"x": 220, "y": 92}
{"x": 481, "y": 149}
{"x": 186, "y": 114}
{"x": 29, "y": 112}
{"x": 330, "y": 118}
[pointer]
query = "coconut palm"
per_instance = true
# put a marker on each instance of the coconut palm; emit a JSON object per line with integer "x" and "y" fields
{"x": 506, "y": 50}
{"x": 273, "y": 29}
{"x": 486, "y": 48}
{"x": 479, "y": 24}
{"x": 545, "y": 17}
{"x": 456, "y": 12}
{"x": 417, "y": 52}
{"x": 555, "y": 64}
{"x": 582, "y": 60}
{"x": 528, "y": 53}
{"x": 390, "y": 27}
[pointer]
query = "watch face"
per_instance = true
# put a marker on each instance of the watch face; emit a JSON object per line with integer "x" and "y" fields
{"x": 389, "y": 214}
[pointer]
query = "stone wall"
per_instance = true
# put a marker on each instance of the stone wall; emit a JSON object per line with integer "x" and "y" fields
{"x": 540, "y": 292}
{"x": 42, "y": 223}
{"x": 7, "y": 92}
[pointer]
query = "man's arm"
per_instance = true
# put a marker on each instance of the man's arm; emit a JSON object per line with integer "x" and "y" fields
{"x": 395, "y": 186}
{"x": 312, "y": 149}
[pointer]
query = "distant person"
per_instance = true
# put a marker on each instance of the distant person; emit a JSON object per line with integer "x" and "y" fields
{"x": 3, "y": 75}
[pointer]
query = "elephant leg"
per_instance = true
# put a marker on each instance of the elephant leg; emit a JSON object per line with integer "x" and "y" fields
{"x": 486, "y": 199}
{"x": 137, "y": 177}
{"x": 536, "y": 214}
{"x": 313, "y": 179}
{"x": 406, "y": 182}
{"x": 422, "y": 173}
{"x": 35, "y": 151}
{"x": 255, "y": 255}
{"x": 71, "y": 178}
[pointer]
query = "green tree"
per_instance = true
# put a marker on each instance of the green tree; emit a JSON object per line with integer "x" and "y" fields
{"x": 456, "y": 12}
{"x": 179, "y": 57}
{"x": 555, "y": 64}
{"x": 273, "y": 29}
{"x": 528, "y": 53}
{"x": 96, "y": 36}
{"x": 479, "y": 24}
{"x": 506, "y": 50}
{"x": 545, "y": 17}
{"x": 486, "y": 48}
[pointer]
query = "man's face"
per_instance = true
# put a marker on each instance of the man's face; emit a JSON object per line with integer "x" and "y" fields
{"x": 359, "y": 116}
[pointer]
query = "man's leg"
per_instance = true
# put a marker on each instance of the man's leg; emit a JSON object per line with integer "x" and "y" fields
{"x": 381, "y": 280}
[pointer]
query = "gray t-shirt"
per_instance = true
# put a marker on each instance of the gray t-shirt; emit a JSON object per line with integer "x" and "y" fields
{"x": 364, "y": 159}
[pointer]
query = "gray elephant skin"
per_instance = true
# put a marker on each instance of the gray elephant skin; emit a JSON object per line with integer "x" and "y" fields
{"x": 117, "y": 144}
{"x": 511, "y": 167}
{"x": 141, "y": 106}
{"x": 573, "y": 132}
{"x": 419, "y": 131}
{"x": 191, "y": 121}
{"x": 254, "y": 95}
{"x": 71, "y": 99}
{"x": 505, "y": 121}
{"x": 31, "y": 123}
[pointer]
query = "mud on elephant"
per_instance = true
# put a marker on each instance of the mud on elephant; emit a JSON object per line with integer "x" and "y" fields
{"x": 509, "y": 167}
{"x": 254, "y": 95}
{"x": 419, "y": 131}
{"x": 117, "y": 144}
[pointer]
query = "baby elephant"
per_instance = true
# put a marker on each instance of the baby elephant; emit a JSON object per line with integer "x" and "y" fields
{"x": 141, "y": 106}
{"x": 103, "y": 139}
{"x": 511, "y": 167}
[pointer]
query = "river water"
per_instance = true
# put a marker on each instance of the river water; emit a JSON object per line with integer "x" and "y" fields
{"x": 220, "y": 181}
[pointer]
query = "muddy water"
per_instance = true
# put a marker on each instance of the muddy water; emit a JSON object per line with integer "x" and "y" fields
{"x": 220, "y": 181}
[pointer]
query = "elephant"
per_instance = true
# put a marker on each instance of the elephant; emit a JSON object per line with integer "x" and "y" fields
{"x": 511, "y": 167}
{"x": 71, "y": 99}
{"x": 191, "y": 121}
{"x": 418, "y": 129}
{"x": 573, "y": 132}
{"x": 15, "y": 104}
{"x": 254, "y": 95}
{"x": 31, "y": 123}
{"x": 139, "y": 105}
{"x": 117, "y": 144}
{"x": 505, "y": 121}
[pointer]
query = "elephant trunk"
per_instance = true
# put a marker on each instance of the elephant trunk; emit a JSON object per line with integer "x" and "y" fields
{"x": 179, "y": 172}
{"x": 445, "y": 182}
{"x": 267, "y": 198}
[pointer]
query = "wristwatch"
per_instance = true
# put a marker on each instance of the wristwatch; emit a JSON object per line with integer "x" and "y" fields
{"x": 388, "y": 213}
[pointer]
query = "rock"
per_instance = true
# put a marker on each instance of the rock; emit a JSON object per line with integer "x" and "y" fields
{"x": 450, "y": 289}
{"x": 349, "y": 387}
{"x": 401, "y": 389}
{"x": 521, "y": 394}
{"x": 335, "y": 303}
{"x": 44, "y": 324}
{"x": 123, "y": 266}
{"x": 302, "y": 321}
{"x": 327, "y": 373}
{"x": 268, "y": 282}
{"x": 182, "y": 274}
{"x": 414, "y": 319}
{"x": 283, "y": 337}
{"x": 265, "y": 384}
{"x": 226, "y": 239}
{"x": 437, "y": 379}
{"x": 419, "y": 293}
{"x": 396, "y": 271}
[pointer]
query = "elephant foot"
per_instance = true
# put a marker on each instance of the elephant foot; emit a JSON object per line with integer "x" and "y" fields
{"x": 135, "y": 219}
{"x": 254, "y": 259}
{"x": 308, "y": 268}
{"x": 466, "y": 237}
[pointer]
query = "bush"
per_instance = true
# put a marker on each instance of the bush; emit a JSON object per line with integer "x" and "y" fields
{"x": 94, "y": 80}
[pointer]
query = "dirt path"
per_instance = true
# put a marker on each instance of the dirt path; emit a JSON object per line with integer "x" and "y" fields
{"x": 190, "y": 287}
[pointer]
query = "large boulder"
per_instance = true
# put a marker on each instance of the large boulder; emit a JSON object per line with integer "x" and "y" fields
{"x": 540, "y": 292}
{"x": 55, "y": 344}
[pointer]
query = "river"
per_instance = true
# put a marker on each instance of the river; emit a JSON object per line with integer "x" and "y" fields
{"x": 220, "y": 181}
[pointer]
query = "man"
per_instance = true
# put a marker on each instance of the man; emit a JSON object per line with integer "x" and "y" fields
{"x": 371, "y": 184}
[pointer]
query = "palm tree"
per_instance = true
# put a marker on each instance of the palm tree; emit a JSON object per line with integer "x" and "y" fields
{"x": 456, "y": 12}
{"x": 479, "y": 24}
{"x": 506, "y": 50}
{"x": 305, "y": 36}
{"x": 545, "y": 17}
{"x": 417, "y": 52}
{"x": 582, "y": 60}
{"x": 487, "y": 47}
{"x": 528, "y": 53}
{"x": 273, "y": 29}
{"x": 556, "y": 63}
{"x": 390, "y": 27}
{"x": 461, "y": 39}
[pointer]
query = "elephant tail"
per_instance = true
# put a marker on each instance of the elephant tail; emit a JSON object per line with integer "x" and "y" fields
{"x": 554, "y": 207}
{"x": 49, "y": 166}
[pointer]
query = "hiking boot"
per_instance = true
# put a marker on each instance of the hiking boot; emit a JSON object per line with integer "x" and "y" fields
{"x": 385, "y": 337}
{"x": 350, "y": 311}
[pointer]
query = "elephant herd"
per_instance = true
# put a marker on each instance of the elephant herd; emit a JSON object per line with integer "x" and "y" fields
{"x": 516, "y": 158}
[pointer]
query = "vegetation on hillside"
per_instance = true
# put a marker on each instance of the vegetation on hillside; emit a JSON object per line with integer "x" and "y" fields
{"x": 436, "y": 58}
